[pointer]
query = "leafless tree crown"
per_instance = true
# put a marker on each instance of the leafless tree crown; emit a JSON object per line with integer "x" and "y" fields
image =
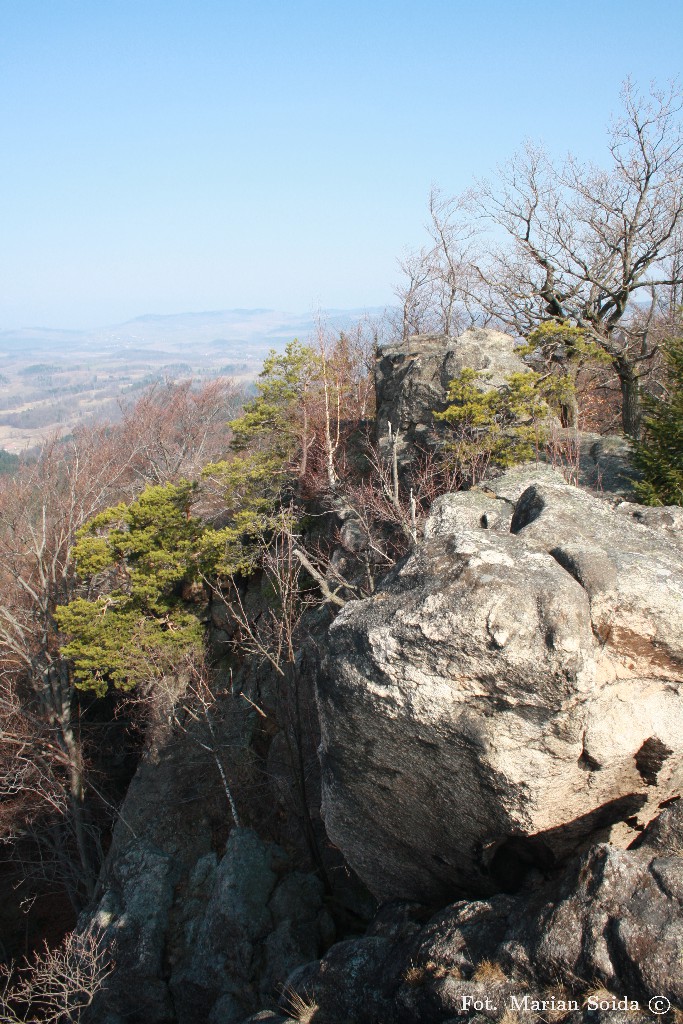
{"x": 598, "y": 247}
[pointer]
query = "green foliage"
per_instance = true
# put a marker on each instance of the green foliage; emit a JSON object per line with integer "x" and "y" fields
{"x": 140, "y": 560}
{"x": 560, "y": 342}
{"x": 658, "y": 456}
{"x": 153, "y": 541}
{"x": 141, "y": 554}
{"x": 564, "y": 349}
{"x": 272, "y": 419}
{"x": 9, "y": 463}
{"x": 500, "y": 425}
{"x": 114, "y": 642}
{"x": 250, "y": 486}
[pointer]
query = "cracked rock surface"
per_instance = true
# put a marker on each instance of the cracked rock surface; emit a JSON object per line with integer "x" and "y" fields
{"x": 607, "y": 930}
{"x": 511, "y": 694}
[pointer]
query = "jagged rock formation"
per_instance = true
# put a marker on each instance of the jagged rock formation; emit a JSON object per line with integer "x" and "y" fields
{"x": 208, "y": 920}
{"x": 211, "y": 945}
{"x": 254, "y": 920}
{"x": 412, "y": 377}
{"x": 511, "y": 692}
{"x": 609, "y": 929}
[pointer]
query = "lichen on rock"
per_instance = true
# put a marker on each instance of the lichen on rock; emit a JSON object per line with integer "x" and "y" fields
{"x": 510, "y": 693}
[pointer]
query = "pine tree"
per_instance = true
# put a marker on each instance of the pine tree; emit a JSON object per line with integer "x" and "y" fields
{"x": 658, "y": 456}
{"x": 499, "y": 426}
{"x": 140, "y": 560}
{"x": 278, "y": 418}
{"x": 564, "y": 350}
{"x": 137, "y": 558}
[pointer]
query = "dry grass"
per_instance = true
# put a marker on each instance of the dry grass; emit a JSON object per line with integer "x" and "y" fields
{"x": 509, "y": 1017}
{"x": 489, "y": 973}
{"x": 416, "y": 976}
{"x": 559, "y": 995}
{"x": 597, "y": 994}
{"x": 300, "y": 1008}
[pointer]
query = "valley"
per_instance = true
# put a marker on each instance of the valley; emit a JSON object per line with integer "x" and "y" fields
{"x": 51, "y": 380}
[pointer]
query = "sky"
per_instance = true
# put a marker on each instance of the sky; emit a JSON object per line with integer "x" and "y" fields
{"x": 164, "y": 156}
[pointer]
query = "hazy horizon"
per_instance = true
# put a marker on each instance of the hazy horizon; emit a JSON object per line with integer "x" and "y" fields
{"x": 149, "y": 315}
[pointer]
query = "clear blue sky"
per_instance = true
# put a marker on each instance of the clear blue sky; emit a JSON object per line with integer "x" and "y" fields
{"x": 172, "y": 155}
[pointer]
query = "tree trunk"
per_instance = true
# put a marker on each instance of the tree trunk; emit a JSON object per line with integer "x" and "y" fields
{"x": 303, "y": 468}
{"x": 77, "y": 808}
{"x": 569, "y": 413}
{"x": 293, "y": 733}
{"x": 630, "y": 399}
{"x": 62, "y": 696}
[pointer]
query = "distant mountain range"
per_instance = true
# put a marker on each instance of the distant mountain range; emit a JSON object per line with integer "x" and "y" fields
{"x": 253, "y": 331}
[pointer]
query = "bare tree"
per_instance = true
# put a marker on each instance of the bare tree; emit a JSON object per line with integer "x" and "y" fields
{"x": 389, "y": 507}
{"x": 600, "y": 248}
{"x": 41, "y": 510}
{"x": 177, "y": 428}
{"x": 415, "y": 294}
{"x": 43, "y": 766}
{"x": 38, "y": 826}
{"x": 356, "y": 352}
{"x": 58, "y": 985}
{"x": 435, "y": 294}
{"x": 332, "y": 398}
{"x": 272, "y": 636}
{"x": 182, "y": 697}
{"x": 277, "y": 636}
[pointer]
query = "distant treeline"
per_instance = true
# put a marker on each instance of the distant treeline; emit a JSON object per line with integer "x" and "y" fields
{"x": 9, "y": 463}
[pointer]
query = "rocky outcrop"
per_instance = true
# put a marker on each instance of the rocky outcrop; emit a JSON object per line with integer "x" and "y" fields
{"x": 602, "y": 943}
{"x": 255, "y": 920}
{"x": 412, "y": 377}
{"x": 506, "y": 702}
{"x": 511, "y": 692}
{"x": 212, "y": 946}
{"x": 207, "y": 919}
{"x": 132, "y": 918}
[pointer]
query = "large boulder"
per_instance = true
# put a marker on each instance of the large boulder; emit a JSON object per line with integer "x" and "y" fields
{"x": 511, "y": 693}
